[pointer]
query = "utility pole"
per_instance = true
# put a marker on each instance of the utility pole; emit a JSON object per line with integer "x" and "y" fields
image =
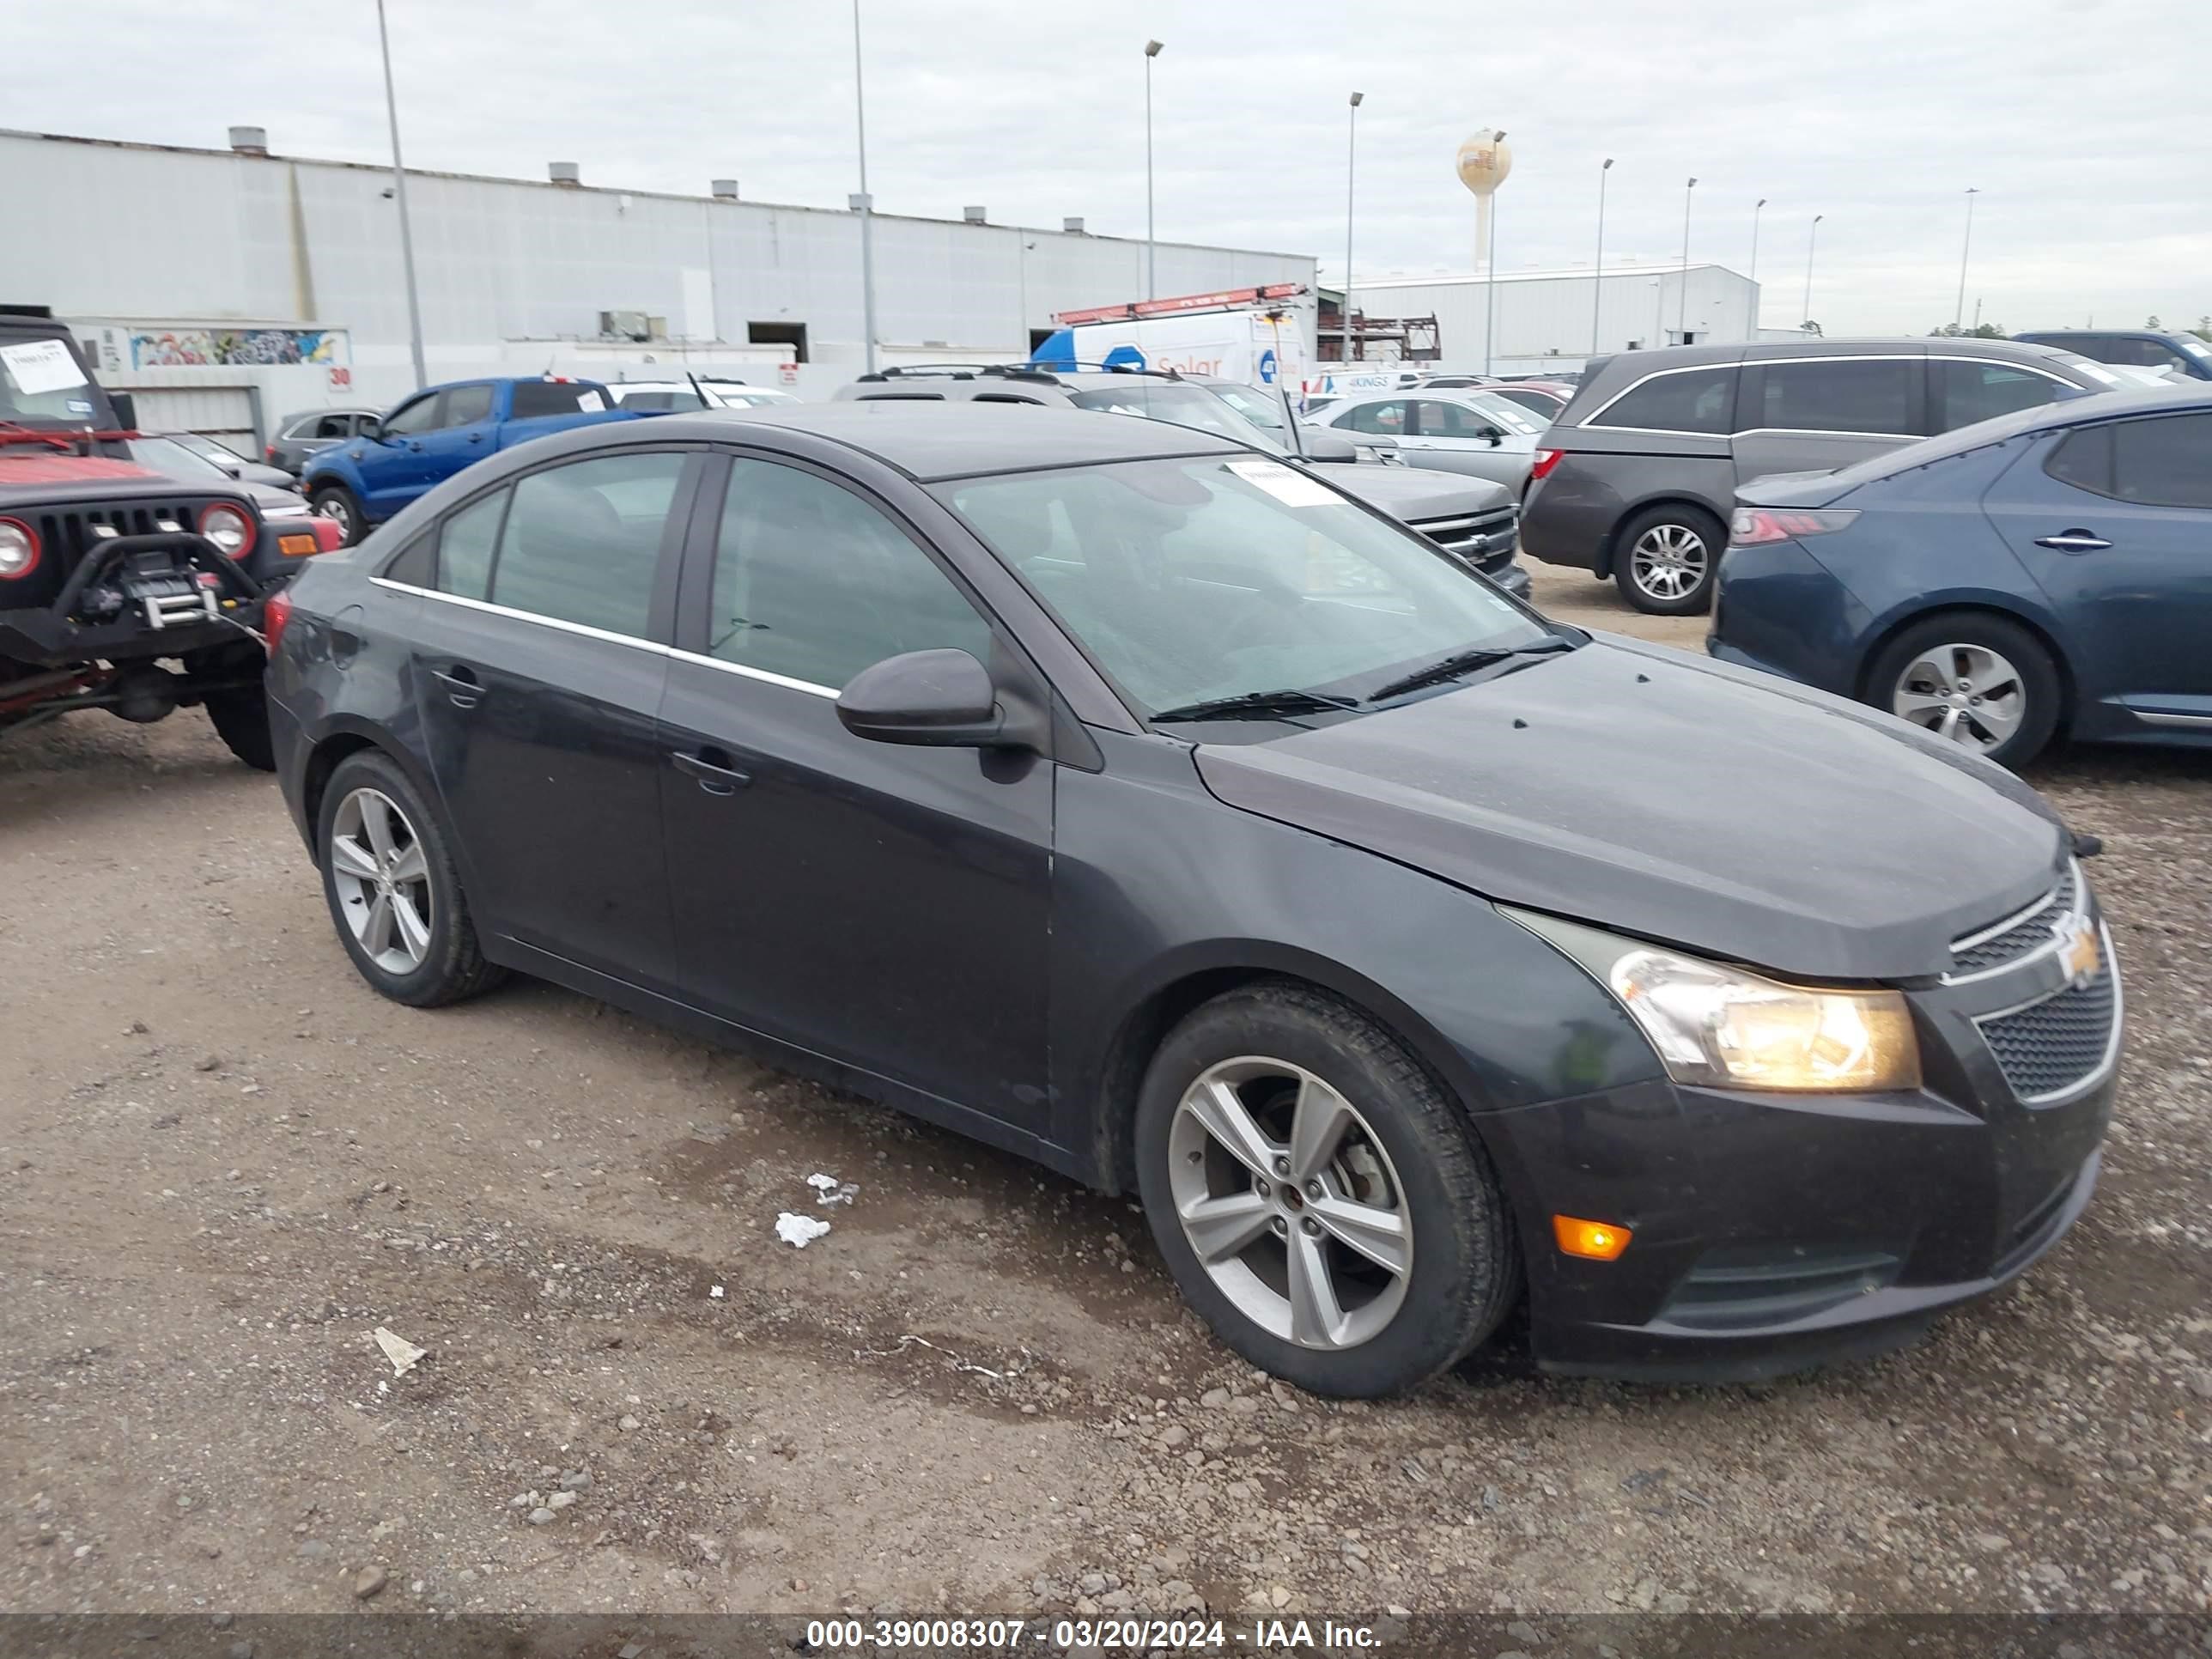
{"x": 1350, "y": 148}
{"x": 1756, "y": 209}
{"x": 1597, "y": 267}
{"x": 1959, "y": 311}
{"x": 1152, "y": 49}
{"x": 1682, "y": 299}
{"x": 399, "y": 193}
{"x": 864, "y": 202}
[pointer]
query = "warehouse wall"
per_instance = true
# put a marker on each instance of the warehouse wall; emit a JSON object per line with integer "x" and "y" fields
{"x": 1548, "y": 317}
{"x": 213, "y": 236}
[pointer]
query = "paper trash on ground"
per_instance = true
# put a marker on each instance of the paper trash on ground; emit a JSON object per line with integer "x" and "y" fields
{"x": 403, "y": 1354}
{"x": 799, "y": 1231}
{"x": 829, "y": 1190}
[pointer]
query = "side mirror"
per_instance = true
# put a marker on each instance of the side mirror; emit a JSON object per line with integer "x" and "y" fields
{"x": 372, "y": 429}
{"x": 1494, "y": 435}
{"x": 942, "y": 698}
{"x": 235, "y": 468}
{"x": 125, "y": 409}
{"x": 1325, "y": 444}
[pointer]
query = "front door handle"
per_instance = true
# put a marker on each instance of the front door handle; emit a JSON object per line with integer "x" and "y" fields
{"x": 711, "y": 767}
{"x": 463, "y": 687}
{"x": 2072, "y": 541}
{"x": 476, "y": 437}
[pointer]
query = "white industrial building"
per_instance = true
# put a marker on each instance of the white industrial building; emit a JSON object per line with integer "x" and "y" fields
{"x": 243, "y": 285}
{"x": 1557, "y": 319}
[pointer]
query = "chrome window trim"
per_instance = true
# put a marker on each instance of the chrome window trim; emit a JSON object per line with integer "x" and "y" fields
{"x": 2103, "y": 1069}
{"x": 1597, "y": 419}
{"x": 584, "y": 629}
{"x": 748, "y": 671}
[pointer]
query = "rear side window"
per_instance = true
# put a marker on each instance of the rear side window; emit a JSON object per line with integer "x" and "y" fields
{"x": 1843, "y": 395}
{"x": 465, "y": 546}
{"x": 1384, "y": 419}
{"x": 2163, "y": 462}
{"x": 582, "y": 541}
{"x": 1686, "y": 400}
{"x": 1965, "y": 391}
{"x": 535, "y": 397}
{"x": 467, "y": 404}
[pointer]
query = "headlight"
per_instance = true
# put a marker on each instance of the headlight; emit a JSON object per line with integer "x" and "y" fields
{"x": 19, "y": 550}
{"x": 229, "y": 529}
{"x": 1713, "y": 1023}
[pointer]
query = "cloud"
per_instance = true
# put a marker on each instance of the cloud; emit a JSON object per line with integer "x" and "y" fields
{"x": 2079, "y": 122}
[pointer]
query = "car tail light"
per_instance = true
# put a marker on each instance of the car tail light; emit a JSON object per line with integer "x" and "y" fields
{"x": 1545, "y": 460}
{"x": 19, "y": 550}
{"x": 229, "y": 529}
{"x": 1754, "y": 525}
{"x": 274, "y": 615}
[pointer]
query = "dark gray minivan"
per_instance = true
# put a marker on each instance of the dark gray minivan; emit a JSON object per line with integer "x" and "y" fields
{"x": 1637, "y": 477}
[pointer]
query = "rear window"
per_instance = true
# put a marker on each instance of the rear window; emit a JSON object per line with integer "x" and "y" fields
{"x": 1680, "y": 400}
{"x": 1852, "y": 394}
{"x": 533, "y": 398}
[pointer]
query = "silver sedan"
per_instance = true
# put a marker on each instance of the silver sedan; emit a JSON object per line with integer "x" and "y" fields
{"x": 1452, "y": 430}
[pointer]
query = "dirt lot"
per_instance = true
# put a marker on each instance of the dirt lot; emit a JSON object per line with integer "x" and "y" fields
{"x": 223, "y": 1162}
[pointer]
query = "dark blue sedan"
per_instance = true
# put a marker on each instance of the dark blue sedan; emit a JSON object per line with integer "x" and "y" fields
{"x": 2042, "y": 574}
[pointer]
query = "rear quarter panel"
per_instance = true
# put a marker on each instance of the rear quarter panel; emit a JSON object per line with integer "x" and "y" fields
{"x": 1571, "y": 516}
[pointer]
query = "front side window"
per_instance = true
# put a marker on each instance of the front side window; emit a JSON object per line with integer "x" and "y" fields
{"x": 1966, "y": 391}
{"x": 336, "y": 428}
{"x": 1687, "y": 400}
{"x": 1191, "y": 580}
{"x": 1873, "y": 395}
{"x": 466, "y": 405}
{"x": 814, "y": 584}
{"x": 1386, "y": 419}
{"x": 412, "y": 417}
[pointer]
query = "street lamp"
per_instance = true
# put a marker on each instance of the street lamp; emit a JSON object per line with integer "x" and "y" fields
{"x": 1959, "y": 312}
{"x": 863, "y": 202}
{"x": 1490, "y": 287}
{"x": 1682, "y": 301}
{"x": 1597, "y": 277}
{"x": 1756, "y": 207}
{"x": 1152, "y": 254}
{"x": 1810, "y": 237}
{"x": 1351, "y": 147}
{"x": 399, "y": 191}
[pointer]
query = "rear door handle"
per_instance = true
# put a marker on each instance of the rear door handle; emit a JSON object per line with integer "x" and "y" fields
{"x": 2072, "y": 541}
{"x": 710, "y": 766}
{"x": 463, "y": 687}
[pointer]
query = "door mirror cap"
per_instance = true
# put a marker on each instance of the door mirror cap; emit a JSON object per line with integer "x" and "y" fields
{"x": 1494, "y": 435}
{"x": 942, "y": 698}
{"x": 371, "y": 428}
{"x": 1322, "y": 445}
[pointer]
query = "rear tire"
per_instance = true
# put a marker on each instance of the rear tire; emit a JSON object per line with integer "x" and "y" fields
{"x": 1405, "y": 1173}
{"x": 1665, "y": 558}
{"x": 241, "y": 719}
{"x": 435, "y": 961}
{"x": 1977, "y": 680}
{"x": 342, "y": 507}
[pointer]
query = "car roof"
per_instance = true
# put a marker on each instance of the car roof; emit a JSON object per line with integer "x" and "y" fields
{"x": 930, "y": 441}
{"x": 2063, "y": 334}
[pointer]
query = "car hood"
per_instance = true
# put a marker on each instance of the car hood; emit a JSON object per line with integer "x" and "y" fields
{"x": 1643, "y": 790}
{"x": 1414, "y": 492}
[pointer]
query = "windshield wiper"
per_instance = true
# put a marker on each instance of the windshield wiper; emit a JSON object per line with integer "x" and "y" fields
{"x": 1257, "y": 706}
{"x": 1466, "y": 662}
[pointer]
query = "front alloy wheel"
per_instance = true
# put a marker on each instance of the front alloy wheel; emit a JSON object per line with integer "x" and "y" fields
{"x": 1290, "y": 1203}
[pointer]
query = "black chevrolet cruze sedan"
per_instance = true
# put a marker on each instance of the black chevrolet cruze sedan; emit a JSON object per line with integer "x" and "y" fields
{"x": 1143, "y": 805}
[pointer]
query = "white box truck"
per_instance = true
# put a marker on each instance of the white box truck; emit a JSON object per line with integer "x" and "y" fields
{"x": 1259, "y": 336}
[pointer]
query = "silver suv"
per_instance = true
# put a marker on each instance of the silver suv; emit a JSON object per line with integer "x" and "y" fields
{"x": 1475, "y": 521}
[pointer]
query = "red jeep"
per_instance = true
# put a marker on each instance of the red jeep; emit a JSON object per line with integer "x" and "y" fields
{"x": 121, "y": 589}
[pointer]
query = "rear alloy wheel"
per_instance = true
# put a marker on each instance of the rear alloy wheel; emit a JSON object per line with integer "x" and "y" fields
{"x": 1318, "y": 1198}
{"x": 1667, "y": 559}
{"x": 1981, "y": 682}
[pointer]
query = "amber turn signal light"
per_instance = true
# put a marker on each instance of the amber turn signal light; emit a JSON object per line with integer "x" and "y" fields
{"x": 1597, "y": 1241}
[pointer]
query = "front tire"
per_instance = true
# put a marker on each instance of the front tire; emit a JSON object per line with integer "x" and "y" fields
{"x": 342, "y": 507}
{"x": 241, "y": 719}
{"x": 393, "y": 890}
{"x": 1982, "y": 682}
{"x": 1667, "y": 559}
{"x": 1321, "y": 1203}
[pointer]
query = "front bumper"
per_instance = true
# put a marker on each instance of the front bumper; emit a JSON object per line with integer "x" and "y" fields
{"x": 66, "y": 632}
{"x": 1773, "y": 1232}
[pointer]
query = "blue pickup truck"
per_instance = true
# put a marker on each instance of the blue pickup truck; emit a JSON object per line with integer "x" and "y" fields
{"x": 436, "y": 433}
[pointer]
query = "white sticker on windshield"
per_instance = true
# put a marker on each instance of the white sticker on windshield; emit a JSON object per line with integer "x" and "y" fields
{"x": 38, "y": 365}
{"x": 2097, "y": 373}
{"x": 1291, "y": 488}
{"x": 591, "y": 403}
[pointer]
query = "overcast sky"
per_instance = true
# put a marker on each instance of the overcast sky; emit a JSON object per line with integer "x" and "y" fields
{"x": 2082, "y": 122}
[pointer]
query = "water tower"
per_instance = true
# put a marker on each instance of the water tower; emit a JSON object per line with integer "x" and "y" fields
{"x": 1484, "y": 160}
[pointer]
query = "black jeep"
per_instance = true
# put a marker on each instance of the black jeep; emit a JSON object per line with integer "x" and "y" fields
{"x": 121, "y": 589}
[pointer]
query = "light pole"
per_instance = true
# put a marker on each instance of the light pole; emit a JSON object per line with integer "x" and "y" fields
{"x": 863, "y": 201}
{"x": 1351, "y": 149}
{"x": 1756, "y": 208}
{"x": 1682, "y": 299}
{"x": 1597, "y": 269}
{"x": 1151, "y": 251}
{"x": 1959, "y": 311}
{"x": 1490, "y": 288}
{"x": 399, "y": 193}
{"x": 1811, "y": 237}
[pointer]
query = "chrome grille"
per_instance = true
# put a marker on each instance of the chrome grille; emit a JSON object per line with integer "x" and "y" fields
{"x": 1481, "y": 539}
{"x": 2021, "y": 934}
{"x": 2053, "y": 1047}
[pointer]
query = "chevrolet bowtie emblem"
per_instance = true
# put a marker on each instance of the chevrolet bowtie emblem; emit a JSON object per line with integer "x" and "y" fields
{"x": 2078, "y": 950}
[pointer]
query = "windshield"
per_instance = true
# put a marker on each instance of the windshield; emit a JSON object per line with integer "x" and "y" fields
{"x": 1513, "y": 416}
{"x": 1178, "y": 403}
{"x": 43, "y": 382}
{"x": 172, "y": 461}
{"x": 1194, "y": 580}
{"x": 1258, "y": 406}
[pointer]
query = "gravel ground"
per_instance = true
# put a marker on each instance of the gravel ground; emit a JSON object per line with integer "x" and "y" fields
{"x": 224, "y": 1162}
